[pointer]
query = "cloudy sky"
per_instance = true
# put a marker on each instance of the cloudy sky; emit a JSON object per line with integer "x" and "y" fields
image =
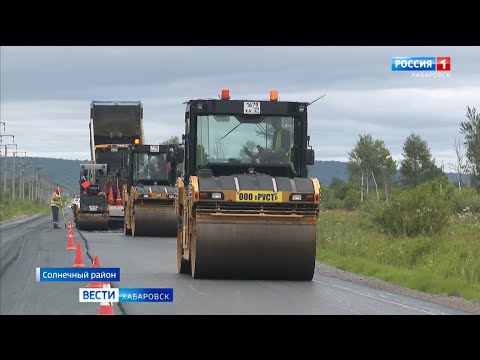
{"x": 46, "y": 92}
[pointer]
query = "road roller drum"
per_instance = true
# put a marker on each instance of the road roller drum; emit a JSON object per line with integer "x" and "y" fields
{"x": 154, "y": 221}
{"x": 253, "y": 251}
{"x": 92, "y": 222}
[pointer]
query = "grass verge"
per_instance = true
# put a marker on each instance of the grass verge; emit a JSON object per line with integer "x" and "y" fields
{"x": 442, "y": 264}
{"x": 10, "y": 210}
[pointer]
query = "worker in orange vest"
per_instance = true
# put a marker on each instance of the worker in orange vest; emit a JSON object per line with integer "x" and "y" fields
{"x": 56, "y": 203}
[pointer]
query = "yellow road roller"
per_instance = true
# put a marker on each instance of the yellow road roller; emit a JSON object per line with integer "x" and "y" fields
{"x": 148, "y": 196}
{"x": 246, "y": 208}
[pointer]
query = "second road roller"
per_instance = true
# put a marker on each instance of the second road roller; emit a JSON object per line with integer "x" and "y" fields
{"x": 148, "y": 196}
{"x": 92, "y": 211}
{"x": 245, "y": 204}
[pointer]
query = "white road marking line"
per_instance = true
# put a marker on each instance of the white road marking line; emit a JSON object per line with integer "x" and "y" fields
{"x": 350, "y": 310}
{"x": 378, "y": 298}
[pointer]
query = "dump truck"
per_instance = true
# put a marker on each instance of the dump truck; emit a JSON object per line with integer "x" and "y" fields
{"x": 245, "y": 205}
{"x": 149, "y": 197}
{"x": 114, "y": 125}
{"x": 92, "y": 211}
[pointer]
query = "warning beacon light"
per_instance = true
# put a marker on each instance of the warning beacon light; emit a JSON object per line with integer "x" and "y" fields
{"x": 137, "y": 141}
{"x": 225, "y": 94}
{"x": 273, "y": 95}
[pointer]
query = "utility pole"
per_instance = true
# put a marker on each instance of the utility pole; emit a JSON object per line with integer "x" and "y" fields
{"x": 37, "y": 179}
{"x": 37, "y": 188}
{"x": 3, "y": 123}
{"x": 5, "y": 163}
{"x": 13, "y": 172}
{"x": 5, "y": 166}
{"x": 34, "y": 185}
{"x": 21, "y": 187}
{"x": 14, "y": 154}
{"x": 40, "y": 187}
{"x": 32, "y": 180}
{"x": 30, "y": 194}
{"x": 5, "y": 172}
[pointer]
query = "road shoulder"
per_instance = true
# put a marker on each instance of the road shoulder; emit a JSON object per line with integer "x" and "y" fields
{"x": 443, "y": 299}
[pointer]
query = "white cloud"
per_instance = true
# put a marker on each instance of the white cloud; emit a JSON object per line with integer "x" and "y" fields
{"x": 46, "y": 92}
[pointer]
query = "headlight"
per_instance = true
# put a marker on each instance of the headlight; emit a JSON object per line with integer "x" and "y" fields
{"x": 217, "y": 196}
{"x": 296, "y": 197}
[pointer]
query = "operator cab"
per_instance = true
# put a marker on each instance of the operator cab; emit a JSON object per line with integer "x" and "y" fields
{"x": 90, "y": 179}
{"x": 154, "y": 164}
{"x": 235, "y": 136}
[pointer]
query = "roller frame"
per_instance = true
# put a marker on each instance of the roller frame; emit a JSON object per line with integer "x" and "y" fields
{"x": 269, "y": 247}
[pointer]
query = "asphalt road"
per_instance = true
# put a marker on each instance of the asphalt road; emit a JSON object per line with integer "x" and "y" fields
{"x": 151, "y": 262}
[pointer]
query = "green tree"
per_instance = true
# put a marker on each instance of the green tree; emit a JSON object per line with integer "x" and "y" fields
{"x": 336, "y": 182}
{"x": 361, "y": 160}
{"x": 328, "y": 201}
{"x": 388, "y": 166}
{"x": 459, "y": 166}
{"x": 340, "y": 188}
{"x": 171, "y": 140}
{"x": 471, "y": 130}
{"x": 370, "y": 159}
{"x": 418, "y": 166}
{"x": 352, "y": 200}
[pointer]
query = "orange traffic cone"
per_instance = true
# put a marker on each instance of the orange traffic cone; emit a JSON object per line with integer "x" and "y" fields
{"x": 78, "y": 256}
{"x": 95, "y": 263}
{"x": 95, "y": 284}
{"x": 71, "y": 244}
{"x": 111, "y": 200}
{"x": 69, "y": 224}
{"x": 106, "y": 308}
{"x": 119, "y": 198}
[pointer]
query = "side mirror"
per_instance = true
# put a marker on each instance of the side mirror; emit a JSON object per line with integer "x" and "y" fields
{"x": 179, "y": 155}
{"x": 310, "y": 157}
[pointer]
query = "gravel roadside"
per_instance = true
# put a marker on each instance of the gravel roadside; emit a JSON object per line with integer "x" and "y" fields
{"x": 452, "y": 301}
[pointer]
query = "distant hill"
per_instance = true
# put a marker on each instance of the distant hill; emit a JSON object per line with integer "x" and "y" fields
{"x": 325, "y": 171}
{"x": 66, "y": 172}
{"x": 59, "y": 171}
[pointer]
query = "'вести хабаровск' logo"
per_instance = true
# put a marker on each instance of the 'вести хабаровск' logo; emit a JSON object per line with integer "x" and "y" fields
{"x": 423, "y": 66}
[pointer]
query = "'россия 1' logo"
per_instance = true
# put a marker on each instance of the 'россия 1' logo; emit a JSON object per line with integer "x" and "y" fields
{"x": 423, "y": 66}
{"x": 421, "y": 63}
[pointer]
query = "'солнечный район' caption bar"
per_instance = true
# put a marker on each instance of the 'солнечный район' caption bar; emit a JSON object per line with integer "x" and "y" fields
{"x": 77, "y": 274}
